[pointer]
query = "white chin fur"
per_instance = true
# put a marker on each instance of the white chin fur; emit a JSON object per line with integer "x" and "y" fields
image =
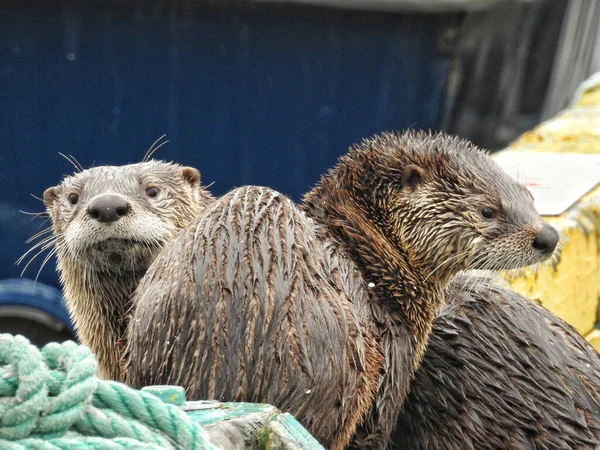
{"x": 81, "y": 235}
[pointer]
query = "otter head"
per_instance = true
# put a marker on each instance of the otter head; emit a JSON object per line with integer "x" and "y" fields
{"x": 115, "y": 219}
{"x": 439, "y": 201}
{"x": 449, "y": 206}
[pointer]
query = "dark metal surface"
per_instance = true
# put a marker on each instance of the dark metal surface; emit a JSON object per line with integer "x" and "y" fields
{"x": 502, "y": 70}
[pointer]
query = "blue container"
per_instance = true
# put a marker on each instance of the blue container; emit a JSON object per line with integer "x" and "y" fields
{"x": 34, "y": 310}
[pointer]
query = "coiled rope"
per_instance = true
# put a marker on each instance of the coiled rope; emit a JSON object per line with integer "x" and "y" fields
{"x": 53, "y": 400}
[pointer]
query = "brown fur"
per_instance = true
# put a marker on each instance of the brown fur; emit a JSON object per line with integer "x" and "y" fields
{"x": 100, "y": 264}
{"x": 406, "y": 210}
{"x": 274, "y": 313}
{"x": 501, "y": 372}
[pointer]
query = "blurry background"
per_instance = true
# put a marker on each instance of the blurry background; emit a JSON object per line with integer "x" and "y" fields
{"x": 257, "y": 92}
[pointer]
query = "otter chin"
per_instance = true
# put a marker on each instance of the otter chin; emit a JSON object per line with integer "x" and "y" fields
{"x": 118, "y": 254}
{"x": 117, "y": 245}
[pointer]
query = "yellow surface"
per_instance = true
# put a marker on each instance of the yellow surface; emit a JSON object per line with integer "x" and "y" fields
{"x": 594, "y": 338}
{"x": 570, "y": 286}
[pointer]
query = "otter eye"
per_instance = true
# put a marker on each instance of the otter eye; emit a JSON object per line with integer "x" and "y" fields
{"x": 151, "y": 192}
{"x": 73, "y": 199}
{"x": 488, "y": 213}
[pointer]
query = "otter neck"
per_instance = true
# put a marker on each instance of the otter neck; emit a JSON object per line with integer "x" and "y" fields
{"x": 403, "y": 291}
{"x": 99, "y": 303}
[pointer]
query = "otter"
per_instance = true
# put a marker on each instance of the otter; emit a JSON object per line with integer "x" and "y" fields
{"x": 251, "y": 303}
{"x": 109, "y": 223}
{"x": 412, "y": 210}
{"x": 393, "y": 222}
{"x": 501, "y": 372}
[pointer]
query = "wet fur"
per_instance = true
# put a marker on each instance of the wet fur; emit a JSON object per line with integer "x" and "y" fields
{"x": 498, "y": 371}
{"x": 501, "y": 372}
{"x": 101, "y": 264}
{"x": 406, "y": 209}
{"x": 267, "y": 311}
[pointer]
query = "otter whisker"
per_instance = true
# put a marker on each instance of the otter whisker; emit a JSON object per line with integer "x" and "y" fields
{"x": 77, "y": 162}
{"x": 208, "y": 186}
{"x": 153, "y": 148}
{"x": 458, "y": 279}
{"x": 44, "y": 248}
{"x": 488, "y": 260}
{"x": 480, "y": 282}
{"x": 41, "y": 237}
{"x": 73, "y": 161}
{"x": 44, "y": 262}
{"x": 157, "y": 147}
{"x": 45, "y": 243}
{"x": 476, "y": 283}
{"x": 45, "y": 221}
{"x": 148, "y": 246}
{"x": 38, "y": 234}
{"x": 34, "y": 214}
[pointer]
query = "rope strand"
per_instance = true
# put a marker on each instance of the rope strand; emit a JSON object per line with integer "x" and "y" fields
{"x": 53, "y": 400}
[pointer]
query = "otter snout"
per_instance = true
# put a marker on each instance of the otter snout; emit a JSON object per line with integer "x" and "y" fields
{"x": 546, "y": 240}
{"x": 108, "y": 208}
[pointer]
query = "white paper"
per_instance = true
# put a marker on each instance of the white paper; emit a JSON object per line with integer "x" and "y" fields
{"x": 556, "y": 180}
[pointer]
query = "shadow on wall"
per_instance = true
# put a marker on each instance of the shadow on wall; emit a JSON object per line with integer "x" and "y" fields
{"x": 499, "y": 79}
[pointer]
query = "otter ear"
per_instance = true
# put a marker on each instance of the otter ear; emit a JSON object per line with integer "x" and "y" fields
{"x": 412, "y": 176}
{"x": 190, "y": 175}
{"x": 50, "y": 196}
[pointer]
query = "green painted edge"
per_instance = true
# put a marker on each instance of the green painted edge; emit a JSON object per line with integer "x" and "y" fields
{"x": 174, "y": 395}
{"x": 292, "y": 434}
{"x": 216, "y": 412}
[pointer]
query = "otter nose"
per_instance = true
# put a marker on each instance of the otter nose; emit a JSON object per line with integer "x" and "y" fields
{"x": 546, "y": 240}
{"x": 108, "y": 208}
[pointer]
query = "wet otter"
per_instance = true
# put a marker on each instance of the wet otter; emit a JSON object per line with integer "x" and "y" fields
{"x": 412, "y": 210}
{"x": 263, "y": 292}
{"x": 408, "y": 210}
{"x": 501, "y": 372}
{"x": 109, "y": 223}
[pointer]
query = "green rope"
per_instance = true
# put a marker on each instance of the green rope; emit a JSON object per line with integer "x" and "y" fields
{"x": 52, "y": 400}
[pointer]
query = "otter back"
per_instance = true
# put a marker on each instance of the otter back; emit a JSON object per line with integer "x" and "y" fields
{"x": 501, "y": 372}
{"x": 267, "y": 311}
